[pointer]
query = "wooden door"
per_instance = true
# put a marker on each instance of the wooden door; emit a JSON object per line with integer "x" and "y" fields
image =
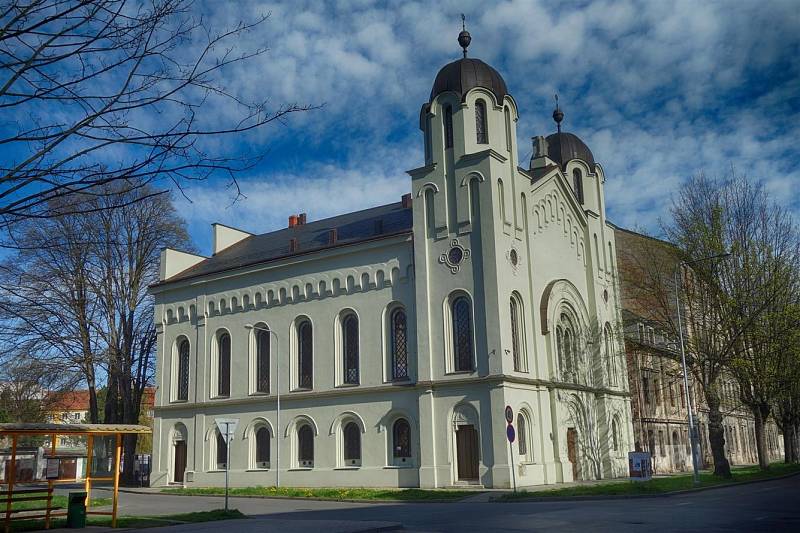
{"x": 180, "y": 460}
{"x": 572, "y": 450}
{"x": 467, "y": 453}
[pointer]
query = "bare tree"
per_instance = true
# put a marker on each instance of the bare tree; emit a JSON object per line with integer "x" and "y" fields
{"x": 102, "y": 91}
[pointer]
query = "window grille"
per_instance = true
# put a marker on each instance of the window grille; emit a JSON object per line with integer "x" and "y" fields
{"x": 401, "y": 439}
{"x": 350, "y": 342}
{"x": 305, "y": 355}
{"x": 399, "y": 344}
{"x": 262, "y": 361}
{"x": 480, "y": 123}
{"x": 352, "y": 444}
{"x": 262, "y": 448}
{"x": 305, "y": 446}
{"x": 448, "y": 127}
{"x": 183, "y": 371}
{"x": 224, "y": 371}
{"x": 522, "y": 436}
{"x": 462, "y": 333}
{"x": 577, "y": 182}
{"x": 515, "y": 336}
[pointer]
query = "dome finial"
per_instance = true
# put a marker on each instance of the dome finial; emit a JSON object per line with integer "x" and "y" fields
{"x": 558, "y": 115}
{"x": 464, "y": 38}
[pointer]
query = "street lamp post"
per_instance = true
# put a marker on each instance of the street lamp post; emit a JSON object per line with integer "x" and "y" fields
{"x": 277, "y": 398}
{"x": 693, "y": 433}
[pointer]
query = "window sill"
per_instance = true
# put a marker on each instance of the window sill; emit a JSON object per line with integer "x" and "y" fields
{"x": 400, "y": 381}
{"x": 399, "y": 467}
{"x": 347, "y": 468}
{"x": 220, "y": 397}
{"x": 257, "y": 470}
{"x": 302, "y": 390}
{"x": 178, "y": 401}
{"x": 260, "y": 394}
{"x": 301, "y": 469}
{"x": 459, "y": 372}
{"x": 216, "y": 471}
{"x": 347, "y": 385}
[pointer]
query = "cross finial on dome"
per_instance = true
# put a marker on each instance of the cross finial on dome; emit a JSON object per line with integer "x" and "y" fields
{"x": 464, "y": 38}
{"x": 558, "y": 115}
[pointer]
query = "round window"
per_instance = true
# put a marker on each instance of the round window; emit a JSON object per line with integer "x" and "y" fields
{"x": 455, "y": 255}
{"x": 513, "y": 256}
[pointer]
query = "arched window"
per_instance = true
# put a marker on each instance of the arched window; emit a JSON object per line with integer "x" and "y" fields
{"x": 351, "y": 436}
{"x": 183, "y": 371}
{"x": 461, "y": 312}
{"x": 501, "y": 199}
{"x": 615, "y": 434}
{"x": 448, "y": 127}
{"x": 399, "y": 344}
{"x": 430, "y": 213}
{"x": 262, "y": 447}
{"x": 481, "y": 131}
{"x": 262, "y": 361}
{"x": 566, "y": 344}
{"x": 517, "y": 337}
{"x": 577, "y": 184}
{"x": 305, "y": 355}
{"x": 350, "y": 348}
{"x": 474, "y": 201}
{"x": 507, "y": 114}
{"x": 224, "y": 366}
{"x": 522, "y": 435}
{"x": 305, "y": 446}
{"x": 401, "y": 441}
{"x": 222, "y": 452}
{"x": 428, "y": 151}
{"x": 608, "y": 343}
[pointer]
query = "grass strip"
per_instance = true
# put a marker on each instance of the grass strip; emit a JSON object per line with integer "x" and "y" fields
{"x": 658, "y": 485}
{"x": 58, "y": 501}
{"x": 328, "y": 493}
{"x": 137, "y": 522}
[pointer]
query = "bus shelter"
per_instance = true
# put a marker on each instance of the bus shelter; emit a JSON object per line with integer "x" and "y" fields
{"x": 103, "y": 450}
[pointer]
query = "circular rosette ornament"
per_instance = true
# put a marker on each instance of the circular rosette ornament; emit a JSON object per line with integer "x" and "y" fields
{"x": 455, "y": 256}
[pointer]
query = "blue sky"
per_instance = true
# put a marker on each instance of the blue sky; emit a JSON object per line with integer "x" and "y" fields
{"x": 659, "y": 91}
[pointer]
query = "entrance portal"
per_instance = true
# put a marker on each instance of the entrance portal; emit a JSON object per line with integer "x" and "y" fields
{"x": 572, "y": 450}
{"x": 180, "y": 460}
{"x": 467, "y": 452}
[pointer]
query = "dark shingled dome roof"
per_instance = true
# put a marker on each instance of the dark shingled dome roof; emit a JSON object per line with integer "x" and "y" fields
{"x": 564, "y": 147}
{"x": 465, "y": 74}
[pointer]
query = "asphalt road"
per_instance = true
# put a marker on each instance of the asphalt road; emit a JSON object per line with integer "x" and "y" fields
{"x": 766, "y": 506}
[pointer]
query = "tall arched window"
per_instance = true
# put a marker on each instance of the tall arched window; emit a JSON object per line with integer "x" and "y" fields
{"x": 567, "y": 346}
{"x": 501, "y": 200}
{"x": 305, "y": 355}
{"x": 350, "y": 348}
{"x": 183, "y": 371}
{"x": 461, "y": 312}
{"x": 224, "y": 366}
{"x": 401, "y": 441}
{"x": 430, "y": 213}
{"x": 262, "y": 361}
{"x": 608, "y": 342}
{"x": 399, "y": 343}
{"x": 507, "y": 114}
{"x": 428, "y": 151}
{"x": 221, "y": 455}
{"x": 517, "y": 337}
{"x": 474, "y": 201}
{"x": 351, "y": 436}
{"x": 577, "y": 184}
{"x": 448, "y": 127}
{"x": 615, "y": 434}
{"x": 305, "y": 446}
{"x": 522, "y": 435}
{"x": 481, "y": 131}
{"x": 262, "y": 447}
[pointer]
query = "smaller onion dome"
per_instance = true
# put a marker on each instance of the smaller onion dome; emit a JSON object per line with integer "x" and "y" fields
{"x": 563, "y": 147}
{"x": 465, "y": 74}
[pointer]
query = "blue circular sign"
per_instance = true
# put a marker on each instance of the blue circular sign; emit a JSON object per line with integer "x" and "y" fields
{"x": 510, "y": 433}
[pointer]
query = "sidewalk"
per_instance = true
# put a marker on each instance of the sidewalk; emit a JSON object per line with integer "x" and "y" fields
{"x": 259, "y": 525}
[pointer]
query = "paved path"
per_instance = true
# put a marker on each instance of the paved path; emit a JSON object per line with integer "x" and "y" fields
{"x": 768, "y": 506}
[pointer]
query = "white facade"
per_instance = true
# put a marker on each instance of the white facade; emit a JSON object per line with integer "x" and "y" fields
{"x": 489, "y": 240}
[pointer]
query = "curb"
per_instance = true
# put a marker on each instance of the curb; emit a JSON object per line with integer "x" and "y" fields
{"x": 538, "y": 499}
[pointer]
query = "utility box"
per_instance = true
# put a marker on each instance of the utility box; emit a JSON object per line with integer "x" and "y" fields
{"x": 76, "y": 510}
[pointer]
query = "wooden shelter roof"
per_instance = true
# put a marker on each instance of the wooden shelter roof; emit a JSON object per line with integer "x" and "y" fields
{"x": 72, "y": 429}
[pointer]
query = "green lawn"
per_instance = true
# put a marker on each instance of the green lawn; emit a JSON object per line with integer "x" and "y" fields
{"x": 137, "y": 522}
{"x": 58, "y": 501}
{"x": 330, "y": 493}
{"x": 658, "y": 485}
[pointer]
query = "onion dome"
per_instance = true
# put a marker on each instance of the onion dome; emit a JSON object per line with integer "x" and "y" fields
{"x": 563, "y": 147}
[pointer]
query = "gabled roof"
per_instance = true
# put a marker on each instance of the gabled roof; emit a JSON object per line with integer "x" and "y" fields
{"x": 351, "y": 228}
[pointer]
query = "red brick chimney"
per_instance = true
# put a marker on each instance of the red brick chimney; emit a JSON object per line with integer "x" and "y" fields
{"x": 301, "y": 219}
{"x": 292, "y": 221}
{"x": 406, "y": 201}
{"x": 333, "y": 236}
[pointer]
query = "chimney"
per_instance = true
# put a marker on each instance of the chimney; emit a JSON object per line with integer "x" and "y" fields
{"x": 293, "y": 246}
{"x": 539, "y": 151}
{"x": 292, "y": 221}
{"x": 378, "y": 227}
{"x": 406, "y": 201}
{"x": 301, "y": 219}
{"x": 333, "y": 236}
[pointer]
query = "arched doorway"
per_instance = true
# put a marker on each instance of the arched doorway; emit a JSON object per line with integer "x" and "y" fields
{"x": 179, "y": 453}
{"x": 467, "y": 444}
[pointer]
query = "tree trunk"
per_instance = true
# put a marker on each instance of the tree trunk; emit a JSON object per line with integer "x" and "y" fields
{"x": 129, "y": 451}
{"x": 716, "y": 437}
{"x": 760, "y": 414}
{"x": 788, "y": 442}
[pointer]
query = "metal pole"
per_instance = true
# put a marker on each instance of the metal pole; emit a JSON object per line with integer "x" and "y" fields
{"x": 692, "y": 432}
{"x": 513, "y": 473}
{"x": 89, "y": 459}
{"x": 117, "y": 455}
{"x": 278, "y": 415}
{"x": 227, "y": 460}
